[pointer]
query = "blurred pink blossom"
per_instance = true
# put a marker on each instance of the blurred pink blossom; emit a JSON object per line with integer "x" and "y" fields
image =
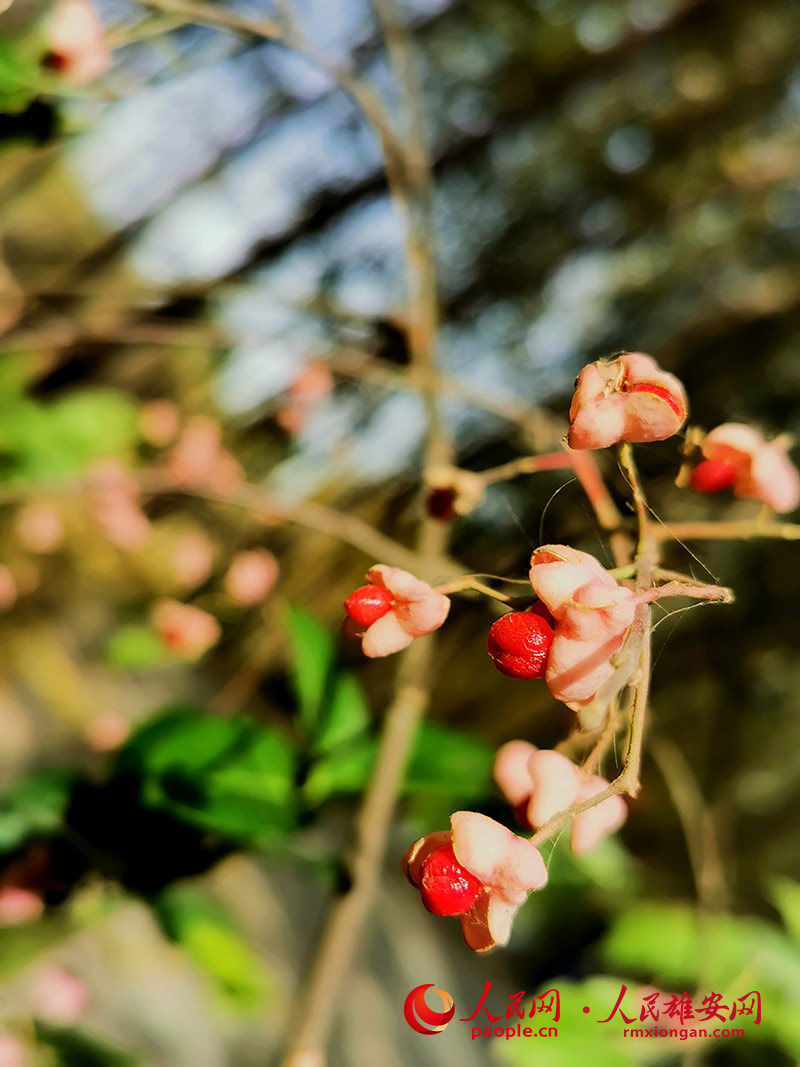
{"x": 192, "y": 558}
{"x": 8, "y": 589}
{"x": 58, "y": 996}
{"x": 314, "y": 383}
{"x": 199, "y": 460}
{"x": 159, "y": 422}
{"x": 251, "y": 576}
{"x": 39, "y": 527}
{"x": 12, "y": 1052}
{"x": 19, "y": 904}
{"x": 186, "y": 630}
{"x": 114, "y": 502}
{"x": 107, "y": 731}
{"x": 77, "y": 46}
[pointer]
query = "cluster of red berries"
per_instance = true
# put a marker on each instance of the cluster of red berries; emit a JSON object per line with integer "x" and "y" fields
{"x": 519, "y": 642}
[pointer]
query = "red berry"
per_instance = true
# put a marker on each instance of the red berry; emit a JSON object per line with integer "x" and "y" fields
{"x": 519, "y": 643}
{"x": 446, "y": 887}
{"x": 521, "y": 814}
{"x": 368, "y": 604}
{"x": 538, "y": 607}
{"x": 713, "y": 475}
{"x": 440, "y": 504}
{"x": 660, "y": 391}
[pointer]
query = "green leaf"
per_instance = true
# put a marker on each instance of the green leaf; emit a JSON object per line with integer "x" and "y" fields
{"x": 347, "y": 771}
{"x": 17, "y": 78}
{"x": 447, "y": 763}
{"x": 40, "y": 441}
{"x": 207, "y": 935}
{"x": 33, "y": 807}
{"x": 230, "y": 776}
{"x": 312, "y": 664}
{"x": 134, "y": 648}
{"x": 581, "y": 1038}
{"x": 668, "y": 942}
{"x": 346, "y": 716}
{"x": 786, "y": 897}
{"x": 444, "y": 764}
{"x": 74, "y": 1048}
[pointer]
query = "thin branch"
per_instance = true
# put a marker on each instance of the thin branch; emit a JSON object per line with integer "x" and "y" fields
{"x": 348, "y": 916}
{"x": 696, "y": 822}
{"x": 220, "y": 17}
{"x": 747, "y": 530}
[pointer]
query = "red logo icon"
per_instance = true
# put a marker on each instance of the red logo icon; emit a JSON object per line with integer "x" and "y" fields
{"x": 424, "y": 1019}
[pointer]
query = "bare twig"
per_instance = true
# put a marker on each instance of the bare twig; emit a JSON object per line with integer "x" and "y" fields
{"x": 696, "y": 822}
{"x": 349, "y": 913}
{"x": 747, "y": 530}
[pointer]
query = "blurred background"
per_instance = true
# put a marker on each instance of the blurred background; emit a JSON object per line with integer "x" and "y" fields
{"x": 203, "y": 367}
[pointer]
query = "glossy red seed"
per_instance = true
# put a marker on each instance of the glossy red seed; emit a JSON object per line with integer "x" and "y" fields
{"x": 519, "y": 643}
{"x": 446, "y": 887}
{"x": 660, "y": 391}
{"x": 712, "y": 476}
{"x": 368, "y": 604}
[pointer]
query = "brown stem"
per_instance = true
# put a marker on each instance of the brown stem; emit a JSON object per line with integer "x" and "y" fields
{"x": 314, "y": 516}
{"x": 746, "y": 530}
{"x": 696, "y": 822}
{"x": 348, "y": 915}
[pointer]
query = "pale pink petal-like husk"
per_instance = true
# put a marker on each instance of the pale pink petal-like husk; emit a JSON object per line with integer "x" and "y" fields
{"x": 557, "y": 571}
{"x": 591, "y": 826}
{"x": 602, "y": 412}
{"x": 577, "y": 669}
{"x": 511, "y": 770}
{"x": 73, "y": 31}
{"x": 385, "y": 637}
{"x": 597, "y": 612}
{"x": 775, "y": 479}
{"x": 400, "y": 583}
{"x": 496, "y": 856}
{"x": 416, "y": 855}
{"x": 500, "y": 917}
{"x": 488, "y": 922}
{"x": 555, "y": 784}
{"x": 640, "y": 368}
{"x": 593, "y": 422}
{"x": 732, "y": 442}
{"x": 649, "y": 417}
{"x": 423, "y": 614}
{"x": 599, "y": 423}
{"x": 475, "y": 925}
{"x": 763, "y": 470}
